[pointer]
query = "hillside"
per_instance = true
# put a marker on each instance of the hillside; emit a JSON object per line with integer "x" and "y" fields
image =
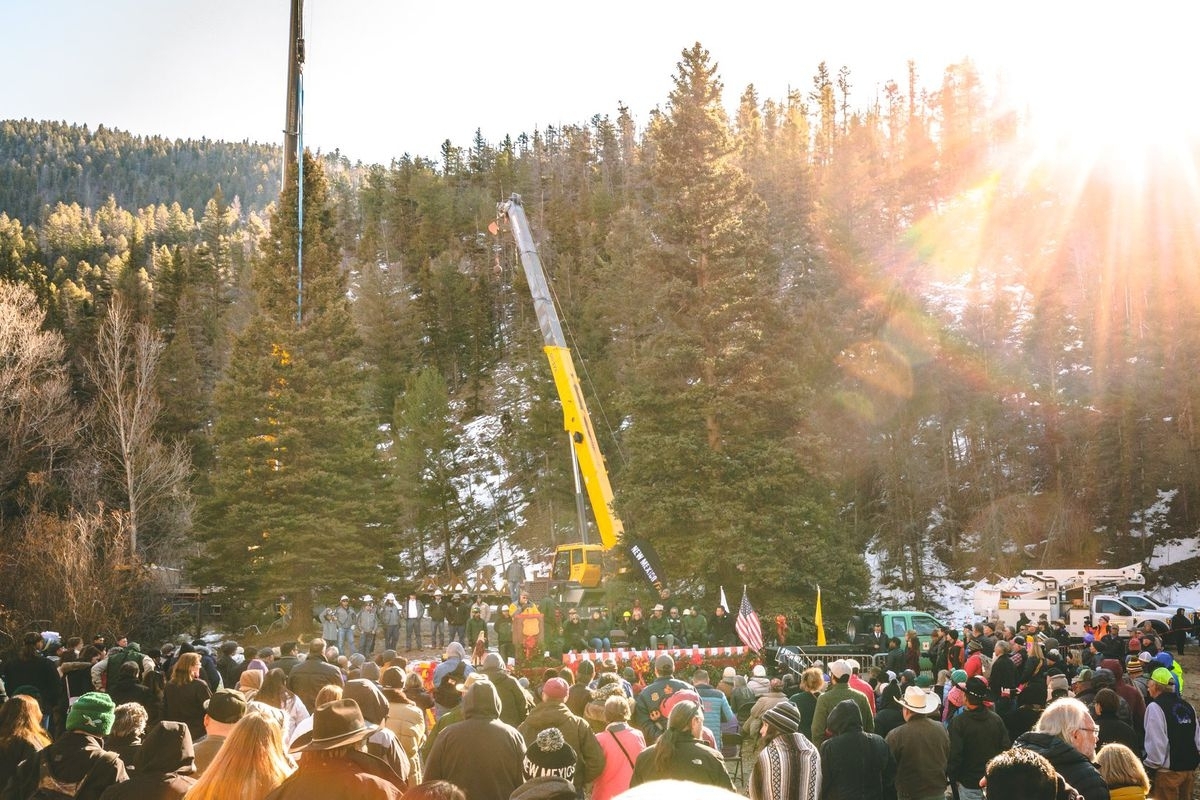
{"x": 889, "y": 350}
{"x": 43, "y": 163}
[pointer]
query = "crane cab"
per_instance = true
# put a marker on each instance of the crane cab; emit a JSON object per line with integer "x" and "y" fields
{"x": 582, "y": 564}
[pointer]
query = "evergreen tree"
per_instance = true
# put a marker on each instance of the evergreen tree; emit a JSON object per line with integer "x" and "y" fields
{"x": 714, "y": 402}
{"x": 296, "y": 478}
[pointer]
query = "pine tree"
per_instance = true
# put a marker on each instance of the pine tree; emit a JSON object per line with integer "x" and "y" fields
{"x": 713, "y": 400}
{"x": 296, "y": 479}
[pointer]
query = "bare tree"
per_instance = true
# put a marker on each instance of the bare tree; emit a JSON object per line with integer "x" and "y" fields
{"x": 143, "y": 476}
{"x": 37, "y": 416}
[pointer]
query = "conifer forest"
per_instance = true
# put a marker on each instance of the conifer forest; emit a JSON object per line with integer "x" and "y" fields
{"x": 829, "y": 338}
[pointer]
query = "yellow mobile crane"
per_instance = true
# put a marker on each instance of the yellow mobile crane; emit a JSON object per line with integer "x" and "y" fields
{"x": 580, "y": 562}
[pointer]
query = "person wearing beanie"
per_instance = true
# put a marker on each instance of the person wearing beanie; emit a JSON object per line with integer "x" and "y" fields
{"x": 552, "y": 712}
{"x": 549, "y": 754}
{"x": 405, "y": 719}
{"x": 77, "y": 758}
{"x": 448, "y": 675}
{"x": 788, "y": 767}
{"x": 955, "y": 697}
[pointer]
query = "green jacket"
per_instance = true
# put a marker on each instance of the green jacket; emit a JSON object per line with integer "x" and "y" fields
{"x": 658, "y": 626}
{"x": 695, "y": 629}
{"x": 829, "y": 698}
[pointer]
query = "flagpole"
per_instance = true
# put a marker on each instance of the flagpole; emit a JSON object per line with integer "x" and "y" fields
{"x": 819, "y": 620}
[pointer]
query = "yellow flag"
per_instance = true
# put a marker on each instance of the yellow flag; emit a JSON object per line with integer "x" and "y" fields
{"x": 820, "y": 623}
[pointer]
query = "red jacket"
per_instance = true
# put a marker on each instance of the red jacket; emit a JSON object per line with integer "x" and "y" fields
{"x": 618, "y": 765}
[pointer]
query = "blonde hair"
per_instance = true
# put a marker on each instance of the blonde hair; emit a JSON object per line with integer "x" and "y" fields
{"x": 327, "y": 694}
{"x": 249, "y": 765}
{"x": 21, "y": 718}
{"x": 181, "y": 673}
{"x": 812, "y": 679}
{"x": 1120, "y": 767}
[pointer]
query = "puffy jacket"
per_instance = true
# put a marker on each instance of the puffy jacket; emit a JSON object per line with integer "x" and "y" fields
{"x": 73, "y": 758}
{"x": 576, "y": 732}
{"x": 1070, "y": 763}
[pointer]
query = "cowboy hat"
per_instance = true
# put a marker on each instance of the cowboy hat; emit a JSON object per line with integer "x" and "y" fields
{"x": 335, "y": 724}
{"x": 919, "y": 701}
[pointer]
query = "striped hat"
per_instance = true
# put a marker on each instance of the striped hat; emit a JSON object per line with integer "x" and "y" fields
{"x": 784, "y": 716}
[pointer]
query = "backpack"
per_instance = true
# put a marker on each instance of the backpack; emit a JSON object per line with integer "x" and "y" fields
{"x": 446, "y": 693}
{"x": 116, "y": 660}
{"x": 985, "y": 663}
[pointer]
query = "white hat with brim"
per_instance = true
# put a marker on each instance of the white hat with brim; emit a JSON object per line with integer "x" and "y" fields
{"x": 919, "y": 701}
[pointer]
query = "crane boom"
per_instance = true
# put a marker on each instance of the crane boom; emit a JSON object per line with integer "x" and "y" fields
{"x": 576, "y": 420}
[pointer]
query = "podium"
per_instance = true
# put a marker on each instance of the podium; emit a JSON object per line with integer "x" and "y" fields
{"x": 529, "y": 631}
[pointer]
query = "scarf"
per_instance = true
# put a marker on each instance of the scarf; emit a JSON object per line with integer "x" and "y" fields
{"x": 788, "y": 767}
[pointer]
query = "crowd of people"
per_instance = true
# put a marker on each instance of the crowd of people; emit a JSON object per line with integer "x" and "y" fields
{"x": 988, "y": 706}
{"x": 469, "y": 620}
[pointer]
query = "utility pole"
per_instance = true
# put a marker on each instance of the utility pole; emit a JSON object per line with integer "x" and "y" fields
{"x": 293, "y": 138}
{"x": 291, "y": 125}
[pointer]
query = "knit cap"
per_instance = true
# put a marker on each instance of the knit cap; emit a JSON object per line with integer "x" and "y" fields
{"x": 549, "y": 754}
{"x": 555, "y": 689}
{"x": 1133, "y": 667}
{"x": 92, "y": 713}
{"x": 958, "y": 677}
{"x": 783, "y": 716}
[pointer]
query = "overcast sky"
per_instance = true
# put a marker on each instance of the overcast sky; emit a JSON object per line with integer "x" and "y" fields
{"x": 386, "y": 77}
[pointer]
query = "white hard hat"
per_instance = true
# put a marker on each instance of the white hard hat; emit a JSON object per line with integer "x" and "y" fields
{"x": 389, "y": 596}
{"x": 368, "y": 599}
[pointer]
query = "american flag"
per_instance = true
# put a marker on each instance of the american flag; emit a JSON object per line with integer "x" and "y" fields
{"x": 748, "y": 628}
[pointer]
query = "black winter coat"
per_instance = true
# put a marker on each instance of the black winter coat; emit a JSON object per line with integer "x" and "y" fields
{"x": 73, "y": 758}
{"x": 1070, "y": 763}
{"x": 976, "y": 735}
{"x": 854, "y": 765}
{"x": 164, "y": 767}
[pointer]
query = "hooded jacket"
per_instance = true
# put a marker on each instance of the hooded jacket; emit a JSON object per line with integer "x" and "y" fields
{"x": 481, "y": 755}
{"x": 1069, "y": 762}
{"x": 1129, "y": 693}
{"x": 383, "y": 744}
{"x": 854, "y": 765}
{"x": 164, "y": 769}
{"x": 576, "y": 732}
{"x": 76, "y": 758}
